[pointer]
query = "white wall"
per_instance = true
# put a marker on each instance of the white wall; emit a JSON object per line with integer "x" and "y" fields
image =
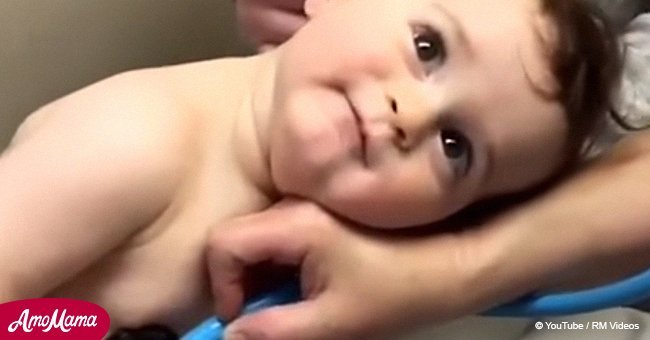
{"x": 51, "y": 47}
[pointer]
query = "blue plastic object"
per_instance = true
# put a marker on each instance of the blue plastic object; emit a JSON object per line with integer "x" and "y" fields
{"x": 627, "y": 292}
{"x": 623, "y": 293}
{"x": 213, "y": 328}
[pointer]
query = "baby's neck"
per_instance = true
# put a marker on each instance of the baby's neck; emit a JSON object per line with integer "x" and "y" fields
{"x": 250, "y": 134}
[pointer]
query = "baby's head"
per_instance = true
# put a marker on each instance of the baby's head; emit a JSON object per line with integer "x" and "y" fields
{"x": 397, "y": 113}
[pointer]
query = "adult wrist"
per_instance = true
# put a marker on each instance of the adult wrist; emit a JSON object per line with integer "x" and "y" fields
{"x": 589, "y": 230}
{"x": 523, "y": 251}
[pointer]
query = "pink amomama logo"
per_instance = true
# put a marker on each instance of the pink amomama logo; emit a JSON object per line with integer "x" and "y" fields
{"x": 52, "y": 318}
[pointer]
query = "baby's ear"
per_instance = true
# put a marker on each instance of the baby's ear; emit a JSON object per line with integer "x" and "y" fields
{"x": 313, "y": 7}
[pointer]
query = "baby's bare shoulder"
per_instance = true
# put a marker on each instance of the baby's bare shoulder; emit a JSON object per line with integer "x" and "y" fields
{"x": 133, "y": 102}
{"x": 97, "y": 165}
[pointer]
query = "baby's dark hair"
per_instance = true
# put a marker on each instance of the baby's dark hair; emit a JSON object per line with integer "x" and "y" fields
{"x": 586, "y": 61}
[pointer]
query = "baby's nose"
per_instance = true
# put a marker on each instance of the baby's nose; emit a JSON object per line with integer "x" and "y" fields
{"x": 413, "y": 123}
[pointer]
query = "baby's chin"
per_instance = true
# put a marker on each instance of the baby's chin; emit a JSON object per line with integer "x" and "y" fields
{"x": 376, "y": 217}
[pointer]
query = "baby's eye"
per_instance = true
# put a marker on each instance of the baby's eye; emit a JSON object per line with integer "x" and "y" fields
{"x": 458, "y": 150}
{"x": 429, "y": 47}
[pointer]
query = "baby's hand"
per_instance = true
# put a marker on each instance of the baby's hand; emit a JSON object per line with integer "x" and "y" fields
{"x": 268, "y": 23}
{"x": 355, "y": 285}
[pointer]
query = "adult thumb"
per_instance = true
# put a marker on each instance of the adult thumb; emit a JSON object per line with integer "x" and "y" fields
{"x": 305, "y": 320}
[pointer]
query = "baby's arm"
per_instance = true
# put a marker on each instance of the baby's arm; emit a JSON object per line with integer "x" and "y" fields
{"x": 83, "y": 174}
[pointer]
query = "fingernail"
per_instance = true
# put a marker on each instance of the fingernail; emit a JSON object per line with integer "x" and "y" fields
{"x": 234, "y": 336}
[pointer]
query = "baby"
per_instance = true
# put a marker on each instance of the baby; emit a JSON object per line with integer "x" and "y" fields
{"x": 392, "y": 113}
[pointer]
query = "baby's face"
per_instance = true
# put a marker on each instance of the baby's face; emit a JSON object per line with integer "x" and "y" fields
{"x": 398, "y": 113}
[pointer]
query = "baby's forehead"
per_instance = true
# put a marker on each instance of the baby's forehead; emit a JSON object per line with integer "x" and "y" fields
{"x": 526, "y": 151}
{"x": 504, "y": 85}
{"x": 508, "y": 37}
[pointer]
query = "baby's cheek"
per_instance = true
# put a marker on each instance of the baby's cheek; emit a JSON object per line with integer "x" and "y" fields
{"x": 360, "y": 62}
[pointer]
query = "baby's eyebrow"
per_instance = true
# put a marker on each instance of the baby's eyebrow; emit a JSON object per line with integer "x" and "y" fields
{"x": 458, "y": 29}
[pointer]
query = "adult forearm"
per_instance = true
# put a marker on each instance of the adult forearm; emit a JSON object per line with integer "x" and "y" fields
{"x": 590, "y": 229}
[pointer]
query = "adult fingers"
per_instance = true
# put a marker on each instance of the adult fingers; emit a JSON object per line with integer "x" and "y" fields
{"x": 280, "y": 235}
{"x": 307, "y": 320}
{"x": 268, "y": 23}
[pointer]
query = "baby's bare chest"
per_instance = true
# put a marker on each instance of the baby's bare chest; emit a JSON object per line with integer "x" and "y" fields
{"x": 160, "y": 275}
{"x": 161, "y": 281}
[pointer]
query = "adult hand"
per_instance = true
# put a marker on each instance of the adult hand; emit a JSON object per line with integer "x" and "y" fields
{"x": 359, "y": 285}
{"x": 268, "y": 23}
{"x": 356, "y": 285}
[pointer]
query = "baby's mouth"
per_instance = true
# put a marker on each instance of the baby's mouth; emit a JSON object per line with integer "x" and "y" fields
{"x": 362, "y": 134}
